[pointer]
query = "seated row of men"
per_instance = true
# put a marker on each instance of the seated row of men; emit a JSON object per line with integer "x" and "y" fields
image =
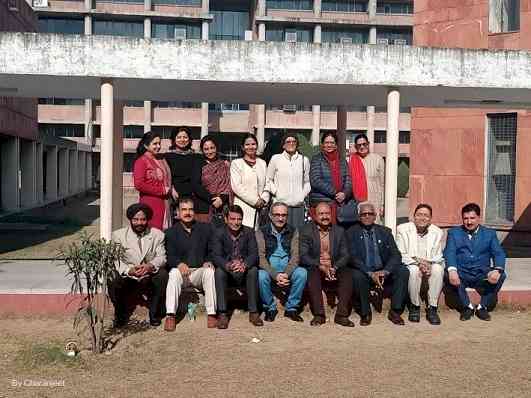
{"x": 363, "y": 260}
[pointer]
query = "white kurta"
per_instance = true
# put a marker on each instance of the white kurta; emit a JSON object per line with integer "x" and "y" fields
{"x": 375, "y": 173}
{"x": 248, "y": 184}
{"x": 289, "y": 178}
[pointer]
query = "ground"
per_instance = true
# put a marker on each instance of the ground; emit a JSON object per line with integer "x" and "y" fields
{"x": 486, "y": 359}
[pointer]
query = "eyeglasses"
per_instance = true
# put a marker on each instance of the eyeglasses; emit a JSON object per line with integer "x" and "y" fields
{"x": 367, "y": 214}
{"x": 290, "y": 142}
{"x": 362, "y": 144}
{"x": 278, "y": 215}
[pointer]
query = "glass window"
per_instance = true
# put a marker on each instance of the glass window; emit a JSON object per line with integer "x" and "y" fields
{"x": 195, "y": 3}
{"x": 290, "y": 4}
{"x": 176, "y": 104}
{"x": 330, "y": 35}
{"x": 278, "y": 33}
{"x": 118, "y": 28}
{"x": 134, "y": 104}
{"x": 129, "y": 161}
{"x": 504, "y": 16}
{"x": 345, "y": 5}
{"x": 61, "y": 101}
{"x": 133, "y": 131}
{"x": 229, "y": 25}
{"x": 61, "y": 25}
{"x": 394, "y": 8}
{"x": 62, "y": 130}
{"x": 501, "y": 168}
{"x": 380, "y": 137}
{"x": 167, "y": 30}
{"x": 228, "y": 107}
{"x": 394, "y": 36}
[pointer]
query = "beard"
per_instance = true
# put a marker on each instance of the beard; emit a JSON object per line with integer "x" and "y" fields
{"x": 139, "y": 229}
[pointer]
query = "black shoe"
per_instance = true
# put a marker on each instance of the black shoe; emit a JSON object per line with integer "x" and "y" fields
{"x": 395, "y": 317}
{"x": 293, "y": 316}
{"x": 155, "y": 322}
{"x": 270, "y": 315}
{"x": 366, "y": 320}
{"x": 343, "y": 321}
{"x": 414, "y": 313}
{"x": 483, "y": 314}
{"x": 318, "y": 320}
{"x": 120, "y": 323}
{"x": 432, "y": 316}
{"x": 466, "y": 314}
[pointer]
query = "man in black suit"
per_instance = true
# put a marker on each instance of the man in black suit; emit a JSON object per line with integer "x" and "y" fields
{"x": 323, "y": 251}
{"x": 377, "y": 261}
{"x": 235, "y": 255}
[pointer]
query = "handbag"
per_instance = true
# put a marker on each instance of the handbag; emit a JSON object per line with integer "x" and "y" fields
{"x": 347, "y": 213}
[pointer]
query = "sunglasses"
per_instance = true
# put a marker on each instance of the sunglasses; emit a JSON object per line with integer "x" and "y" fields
{"x": 362, "y": 144}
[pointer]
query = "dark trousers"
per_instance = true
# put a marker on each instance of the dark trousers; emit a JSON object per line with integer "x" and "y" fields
{"x": 396, "y": 280}
{"x": 226, "y": 278}
{"x": 344, "y": 291}
{"x": 122, "y": 291}
{"x": 487, "y": 291}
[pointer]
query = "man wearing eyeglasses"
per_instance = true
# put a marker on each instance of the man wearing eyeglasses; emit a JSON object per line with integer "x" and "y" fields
{"x": 278, "y": 247}
{"x": 377, "y": 262}
{"x": 368, "y": 174}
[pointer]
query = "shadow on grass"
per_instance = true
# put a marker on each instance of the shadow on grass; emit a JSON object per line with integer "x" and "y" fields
{"x": 48, "y": 223}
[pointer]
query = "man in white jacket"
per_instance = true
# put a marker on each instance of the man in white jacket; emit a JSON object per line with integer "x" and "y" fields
{"x": 420, "y": 243}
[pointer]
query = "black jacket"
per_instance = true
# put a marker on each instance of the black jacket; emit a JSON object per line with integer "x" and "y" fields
{"x": 222, "y": 243}
{"x": 388, "y": 250}
{"x": 192, "y": 249}
{"x": 310, "y": 246}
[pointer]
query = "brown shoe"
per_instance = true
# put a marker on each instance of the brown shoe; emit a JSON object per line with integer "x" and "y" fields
{"x": 254, "y": 318}
{"x": 395, "y": 318}
{"x": 222, "y": 321}
{"x": 212, "y": 321}
{"x": 366, "y": 320}
{"x": 169, "y": 323}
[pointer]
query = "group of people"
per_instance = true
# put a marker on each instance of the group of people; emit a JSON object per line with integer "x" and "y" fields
{"x": 224, "y": 234}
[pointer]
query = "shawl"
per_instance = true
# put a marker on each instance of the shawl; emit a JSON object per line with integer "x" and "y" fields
{"x": 359, "y": 178}
{"x": 335, "y": 170}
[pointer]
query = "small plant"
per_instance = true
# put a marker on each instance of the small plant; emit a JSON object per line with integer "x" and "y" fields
{"x": 91, "y": 264}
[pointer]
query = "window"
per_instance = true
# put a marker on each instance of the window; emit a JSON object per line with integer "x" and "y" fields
{"x": 122, "y": 1}
{"x": 133, "y": 104}
{"x": 194, "y": 3}
{"x": 133, "y": 131}
{"x": 394, "y": 8}
{"x": 227, "y": 107}
{"x": 231, "y": 19}
{"x": 278, "y": 33}
{"x": 380, "y": 137}
{"x": 501, "y": 168}
{"x": 61, "y": 101}
{"x": 290, "y": 4}
{"x": 168, "y": 30}
{"x": 504, "y": 15}
{"x": 404, "y": 137}
{"x": 287, "y": 107}
{"x": 62, "y": 130}
{"x": 176, "y": 104}
{"x": 395, "y": 36}
{"x": 129, "y": 161}
{"x": 344, "y": 5}
{"x": 61, "y": 25}
{"x": 118, "y": 28}
{"x": 330, "y": 35}
{"x": 166, "y": 131}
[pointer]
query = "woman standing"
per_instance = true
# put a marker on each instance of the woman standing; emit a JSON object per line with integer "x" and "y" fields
{"x": 248, "y": 181}
{"x": 288, "y": 174}
{"x": 211, "y": 181}
{"x": 182, "y": 161}
{"x": 152, "y": 178}
{"x": 329, "y": 176}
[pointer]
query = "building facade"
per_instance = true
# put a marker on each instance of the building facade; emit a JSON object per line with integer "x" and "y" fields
{"x": 34, "y": 169}
{"x": 476, "y": 154}
{"x": 319, "y": 21}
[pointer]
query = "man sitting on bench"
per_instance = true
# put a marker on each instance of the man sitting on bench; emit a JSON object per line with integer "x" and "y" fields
{"x": 187, "y": 245}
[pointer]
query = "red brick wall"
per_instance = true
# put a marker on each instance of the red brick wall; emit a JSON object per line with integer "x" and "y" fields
{"x": 18, "y": 116}
{"x": 448, "y": 145}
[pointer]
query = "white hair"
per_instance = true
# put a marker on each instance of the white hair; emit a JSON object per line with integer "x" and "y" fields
{"x": 366, "y": 204}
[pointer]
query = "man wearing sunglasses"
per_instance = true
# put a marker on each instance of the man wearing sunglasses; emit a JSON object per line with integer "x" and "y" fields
{"x": 278, "y": 247}
{"x": 378, "y": 263}
{"x": 367, "y": 171}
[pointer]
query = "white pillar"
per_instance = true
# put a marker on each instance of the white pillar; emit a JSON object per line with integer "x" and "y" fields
{"x": 147, "y": 27}
{"x": 370, "y": 126}
{"x": 317, "y": 8}
{"x": 391, "y": 158}
{"x": 205, "y": 6}
{"x": 204, "y": 105}
{"x": 372, "y": 35}
{"x": 261, "y": 8}
{"x": 341, "y": 130}
{"x": 107, "y": 159}
{"x": 147, "y": 116}
{"x": 147, "y": 5}
{"x": 317, "y": 34}
{"x": 260, "y": 126}
{"x": 371, "y": 8}
{"x": 89, "y": 5}
{"x": 261, "y": 31}
{"x": 204, "y": 30}
{"x": 10, "y": 179}
{"x": 316, "y": 126}
{"x": 51, "y": 173}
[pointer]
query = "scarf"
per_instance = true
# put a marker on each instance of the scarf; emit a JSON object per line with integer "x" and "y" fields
{"x": 215, "y": 177}
{"x": 179, "y": 151}
{"x": 335, "y": 169}
{"x": 359, "y": 178}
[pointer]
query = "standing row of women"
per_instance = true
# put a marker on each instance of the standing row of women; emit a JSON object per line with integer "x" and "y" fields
{"x": 162, "y": 178}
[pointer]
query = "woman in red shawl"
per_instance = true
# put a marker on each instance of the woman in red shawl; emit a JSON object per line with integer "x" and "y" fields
{"x": 329, "y": 176}
{"x": 152, "y": 178}
{"x": 212, "y": 181}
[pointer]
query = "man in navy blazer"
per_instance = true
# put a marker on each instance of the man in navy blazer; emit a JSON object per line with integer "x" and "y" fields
{"x": 377, "y": 261}
{"x": 474, "y": 258}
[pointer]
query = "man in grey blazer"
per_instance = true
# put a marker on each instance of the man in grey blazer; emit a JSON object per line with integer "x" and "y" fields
{"x": 145, "y": 258}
